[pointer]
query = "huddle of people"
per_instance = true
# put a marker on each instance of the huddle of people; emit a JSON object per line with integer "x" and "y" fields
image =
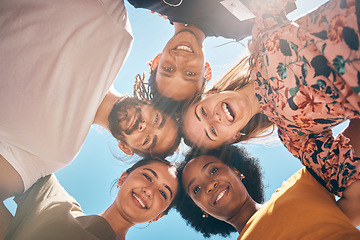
{"x": 301, "y": 77}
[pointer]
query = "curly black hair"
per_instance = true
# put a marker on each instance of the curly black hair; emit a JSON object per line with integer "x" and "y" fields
{"x": 233, "y": 156}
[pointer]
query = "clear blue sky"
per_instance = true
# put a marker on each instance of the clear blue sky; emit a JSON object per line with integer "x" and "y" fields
{"x": 90, "y": 175}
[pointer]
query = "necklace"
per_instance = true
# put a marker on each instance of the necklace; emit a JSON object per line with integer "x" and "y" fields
{"x": 173, "y": 5}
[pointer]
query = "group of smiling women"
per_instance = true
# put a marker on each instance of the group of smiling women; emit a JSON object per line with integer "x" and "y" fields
{"x": 301, "y": 78}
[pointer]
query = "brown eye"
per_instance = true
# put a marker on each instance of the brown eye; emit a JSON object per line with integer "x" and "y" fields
{"x": 168, "y": 69}
{"x": 196, "y": 190}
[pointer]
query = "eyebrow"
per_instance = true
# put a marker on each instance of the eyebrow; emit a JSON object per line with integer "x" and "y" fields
{"x": 202, "y": 170}
{"x": 206, "y": 133}
{"x": 193, "y": 80}
{"x": 155, "y": 174}
{"x": 197, "y": 116}
{"x": 163, "y": 121}
{"x": 137, "y": 122}
{"x": 164, "y": 74}
{"x": 154, "y": 141}
{"x": 190, "y": 80}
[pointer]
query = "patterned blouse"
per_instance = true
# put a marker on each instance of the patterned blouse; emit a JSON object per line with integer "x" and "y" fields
{"x": 307, "y": 79}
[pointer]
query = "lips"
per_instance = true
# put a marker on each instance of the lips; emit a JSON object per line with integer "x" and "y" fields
{"x": 229, "y": 114}
{"x": 140, "y": 202}
{"x": 184, "y": 47}
{"x": 221, "y": 194}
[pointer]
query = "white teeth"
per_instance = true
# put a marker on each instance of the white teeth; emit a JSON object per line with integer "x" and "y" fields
{"x": 185, "y": 48}
{"x": 220, "y": 195}
{"x": 138, "y": 199}
{"x": 227, "y": 112}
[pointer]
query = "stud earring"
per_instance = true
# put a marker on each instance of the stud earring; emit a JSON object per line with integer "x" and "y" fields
{"x": 205, "y": 215}
{"x": 241, "y": 176}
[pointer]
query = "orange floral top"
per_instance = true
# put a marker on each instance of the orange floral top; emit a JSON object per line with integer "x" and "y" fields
{"x": 307, "y": 79}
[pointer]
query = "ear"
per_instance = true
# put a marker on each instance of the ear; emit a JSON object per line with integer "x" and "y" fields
{"x": 122, "y": 179}
{"x": 125, "y": 148}
{"x": 234, "y": 139}
{"x": 208, "y": 72}
{"x": 155, "y": 62}
{"x": 158, "y": 217}
{"x": 238, "y": 173}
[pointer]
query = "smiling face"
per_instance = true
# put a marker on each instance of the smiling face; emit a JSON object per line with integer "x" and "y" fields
{"x": 143, "y": 128}
{"x": 181, "y": 68}
{"x": 146, "y": 192}
{"x": 217, "y": 119}
{"x": 214, "y": 187}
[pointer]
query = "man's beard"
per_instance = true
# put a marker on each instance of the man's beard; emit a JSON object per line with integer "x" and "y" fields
{"x": 120, "y": 115}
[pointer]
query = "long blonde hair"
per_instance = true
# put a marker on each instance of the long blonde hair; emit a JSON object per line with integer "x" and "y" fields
{"x": 235, "y": 79}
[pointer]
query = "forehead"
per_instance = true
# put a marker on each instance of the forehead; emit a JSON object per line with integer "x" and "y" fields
{"x": 176, "y": 87}
{"x": 198, "y": 164}
{"x": 164, "y": 172}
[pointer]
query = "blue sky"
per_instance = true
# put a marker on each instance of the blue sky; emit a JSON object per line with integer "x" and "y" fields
{"x": 89, "y": 177}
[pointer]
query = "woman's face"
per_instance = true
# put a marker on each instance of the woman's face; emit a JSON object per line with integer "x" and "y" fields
{"x": 146, "y": 192}
{"x": 217, "y": 119}
{"x": 214, "y": 187}
{"x": 181, "y": 67}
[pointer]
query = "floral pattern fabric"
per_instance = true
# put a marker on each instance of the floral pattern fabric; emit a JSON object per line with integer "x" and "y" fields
{"x": 307, "y": 79}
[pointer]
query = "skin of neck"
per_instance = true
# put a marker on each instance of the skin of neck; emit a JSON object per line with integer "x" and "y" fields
{"x": 103, "y": 112}
{"x": 247, "y": 210}
{"x": 117, "y": 222}
{"x": 181, "y": 26}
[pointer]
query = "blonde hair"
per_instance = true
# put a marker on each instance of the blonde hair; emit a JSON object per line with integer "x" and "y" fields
{"x": 235, "y": 79}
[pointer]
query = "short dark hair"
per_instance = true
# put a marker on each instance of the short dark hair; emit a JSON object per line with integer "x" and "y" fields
{"x": 148, "y": 160}
{"x": 234, "y": 157}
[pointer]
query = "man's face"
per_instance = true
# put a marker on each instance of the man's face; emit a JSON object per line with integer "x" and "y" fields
{"x": 181, "y": 68}
{"x": 144, "y": 128}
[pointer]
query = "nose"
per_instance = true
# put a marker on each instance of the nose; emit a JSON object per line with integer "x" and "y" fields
{"x": 148, "y": 192}
{"x": 217, "y": 117}
{"x": 142, "y": 125}
{"x": 179, "y": 58}
{"x": 211, "y": 186}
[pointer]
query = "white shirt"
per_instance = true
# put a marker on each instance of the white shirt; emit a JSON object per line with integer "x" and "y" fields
{"x": 58, "y": 58}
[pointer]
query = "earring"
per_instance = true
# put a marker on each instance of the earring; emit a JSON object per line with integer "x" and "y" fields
{"x": 241, "y": 176}
{"x": 208, "y": 72}
{"x": 155, "y": 62}
{"x": 205, "y": 215}
{"x": 242, "y": 134}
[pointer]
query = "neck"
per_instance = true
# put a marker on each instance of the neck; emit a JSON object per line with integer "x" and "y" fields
{"x": 198, "y": 33}
{"x": 117, "y": 222}
{"x": 103, "y": 112}
{"x": 249, "y": 208}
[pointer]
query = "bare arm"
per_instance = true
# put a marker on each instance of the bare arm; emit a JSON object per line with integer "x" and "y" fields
{"x": 350, "y": 202}
{"x": 10, "y": 180}
{"x": 5, "y": 219}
